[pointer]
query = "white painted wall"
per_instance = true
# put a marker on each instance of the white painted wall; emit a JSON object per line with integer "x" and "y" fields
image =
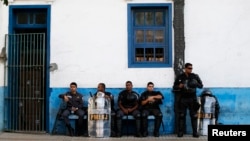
{"x": 89, "y": 43}
{"x": 217, "y": 41}
{"x": 3, "y": 31}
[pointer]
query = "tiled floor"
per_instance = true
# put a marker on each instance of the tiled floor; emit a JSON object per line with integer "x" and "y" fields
{"x": 6, "y": 136}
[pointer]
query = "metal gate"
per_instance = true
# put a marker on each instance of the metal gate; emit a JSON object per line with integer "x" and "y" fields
{"x": 25, "y": 82}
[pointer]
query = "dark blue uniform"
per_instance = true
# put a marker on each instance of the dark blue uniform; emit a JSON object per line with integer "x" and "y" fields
{"x": 128, "y": 100}
{"x": 75, "y": 100}
{"x": 151, "y": 108}
{"x": 187, "y": 99}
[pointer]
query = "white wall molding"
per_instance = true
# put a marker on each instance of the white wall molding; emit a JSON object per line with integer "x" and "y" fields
{"x": 47, "y": 1}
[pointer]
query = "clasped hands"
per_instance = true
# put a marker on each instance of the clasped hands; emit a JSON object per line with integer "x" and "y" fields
{"x": 128, "y": 110}
{"x": 74, "y": 109}
{"x": 151, "y": 99}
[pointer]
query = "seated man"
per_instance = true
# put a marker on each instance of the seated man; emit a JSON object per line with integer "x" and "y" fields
{"x": 128, "y": 102}
{"x": 74, "y": 102}
{"x": 101, "y": 88}
{"x": 150, "y": 101}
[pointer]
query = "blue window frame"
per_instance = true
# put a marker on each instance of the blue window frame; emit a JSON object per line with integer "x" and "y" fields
{"x": 29, "y": 16}
{"x": 149, "y": 35}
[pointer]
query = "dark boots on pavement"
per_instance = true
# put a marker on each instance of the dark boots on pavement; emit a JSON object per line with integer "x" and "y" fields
{"x": 144, "y": 127}
{"x": 138, "y": 127}
{"x": 194, "y": 127}
{"x": 157, "y": 126}
{"x": 71, "y": 130}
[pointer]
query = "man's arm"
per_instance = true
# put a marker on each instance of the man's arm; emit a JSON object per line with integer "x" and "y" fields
{"x": 122, "y": 107}
{"x": 64, "y": 97}
{"x": 178, "y": 84}
{"x": 151, "y": 99}
{"x": 133, "y": 108}
{"x": 158, "y": 96}
{"x": 200, "y": 84}
{"x": 109, "y": 96}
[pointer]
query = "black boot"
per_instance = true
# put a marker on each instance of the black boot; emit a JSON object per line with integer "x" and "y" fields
{"x": 71, "y": 130}
{"x": 138, "y": 127}
{"x": 194, "y": 126}
{"x": 113, "y": 134}
{"x": 180, "y": 128}
{"x": 144, "y": 126}
{"x": 85, "y": 128}
{"x": 158, "y": 121}
{"x": 79, "y": 126}
{"x": 119, "y": 128}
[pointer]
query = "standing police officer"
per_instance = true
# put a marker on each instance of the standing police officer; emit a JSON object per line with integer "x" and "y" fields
{"x": 150, "y": 101}
{"x": 186, "y": 83}
{"x": 128, "y": 102}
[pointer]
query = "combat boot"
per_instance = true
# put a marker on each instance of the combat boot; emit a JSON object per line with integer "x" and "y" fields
{"x": 194, "y": 126}
{"x": 181, "y": 128}
{"x": 119, "y": 128}
{"x": 157, "y": 126}
{"x": 138, "y": 128}
{"x": 144, "y": 126}
{"x": 71, "y": 130}
{"x": 113, "y": 133}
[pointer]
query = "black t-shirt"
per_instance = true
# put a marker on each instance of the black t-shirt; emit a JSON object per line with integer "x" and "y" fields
{"x": 151, "y": 105}
{"x": 128, "y": 99}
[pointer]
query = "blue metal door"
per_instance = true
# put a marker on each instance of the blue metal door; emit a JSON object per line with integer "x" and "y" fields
{"x": 25, "y": 97}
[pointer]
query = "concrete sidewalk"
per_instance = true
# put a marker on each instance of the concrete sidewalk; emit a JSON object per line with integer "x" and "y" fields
{"x": 7, "y": 136}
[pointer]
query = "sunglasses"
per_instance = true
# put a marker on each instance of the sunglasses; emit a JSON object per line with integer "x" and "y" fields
{"x": 190, "y": 68}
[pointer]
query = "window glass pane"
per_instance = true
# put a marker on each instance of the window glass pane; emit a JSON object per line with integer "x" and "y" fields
{"x": 31, "y": 18}
{"x": 159, "y": 18}
{"x": 159, "y": 36}
{"x": 149, "y": 54}
{"x": 22, "y": 18}
{"x": 139, "y": 18}
{"x": 40, "y": 18}
{"x": 149, "y": 18}
{"x": 139, "y": 36}
{"x": 159, "y": 54}
{"x": 149, "y": 36}
{"x": 139, "y": 53}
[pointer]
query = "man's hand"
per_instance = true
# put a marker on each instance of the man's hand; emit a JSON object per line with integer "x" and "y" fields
{"x": 125, "y": 111}
{"x": 107, "y": 97}
{"x": 130, "y": 110}
{"x": 74, "y": 109}
{"x": 66, "y": 98}
{"x": 181, "y": 85}
{"x": 151, "y": 99}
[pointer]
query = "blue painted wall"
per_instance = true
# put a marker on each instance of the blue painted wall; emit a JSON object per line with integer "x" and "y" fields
{"x": 1, "y": 108}
{"x": 234, "y": 104}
